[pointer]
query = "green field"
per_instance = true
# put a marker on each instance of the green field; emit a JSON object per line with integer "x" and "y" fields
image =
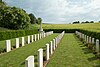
{"x": 16, "y": 58}
{"x": 87, "y": 26}
{"x": 72, "y": 53}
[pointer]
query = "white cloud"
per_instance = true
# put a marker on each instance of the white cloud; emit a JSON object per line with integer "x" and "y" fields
{"x": 61, "y": 11}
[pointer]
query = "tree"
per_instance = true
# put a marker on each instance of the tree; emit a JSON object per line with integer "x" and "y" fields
{"x": 0, "y": 0}
{"x": 39, "y": 20}
{"x": 14, "y": 18}
{"x": 91, "y": 21}
{"x": 76, "y": 22}
{"x": 87, "y": 22}
{"x": 33, "y": 18}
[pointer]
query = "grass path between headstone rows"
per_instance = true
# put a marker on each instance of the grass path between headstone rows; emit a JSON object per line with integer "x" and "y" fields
{"x": 72, "y": 53}
{"x": 16, "y": 58}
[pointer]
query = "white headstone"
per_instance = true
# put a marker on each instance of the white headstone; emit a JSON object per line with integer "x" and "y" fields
{"x": 51, "y": 51}
{"x": 92, "y": 40}
{"x": 47, "y": 51}
{"x": 87, "y": 39}
{"x": 22, "y": 41}
{"x": 40, "y": 58}
{"x": 28, "y": 40}
{"x": 29, "y": 62}
{"x": 38, "y": 36}
{"x": 56, "y": 42}
{"x": 53, "y": 44}
{"x": 80, "y": 35}
{"x": 44, "y": 34}
{"x": 32, "y": 38}
{"x": 97, "y": 45}
{"x": 8, "y": 46}
{"x": 35, "y": 37}
{"x": 83, "y": 36}
{"x": 17, "y": 42}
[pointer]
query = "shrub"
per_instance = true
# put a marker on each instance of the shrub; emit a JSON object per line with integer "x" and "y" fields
{"x": 14, "y": 18}
{"x": 91, "y": 33}
{"x": 60, "y": 30}
{"x": 4, "y": 35}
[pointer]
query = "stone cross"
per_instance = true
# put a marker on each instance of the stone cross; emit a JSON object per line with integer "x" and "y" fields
{"x": 41, "y": 29}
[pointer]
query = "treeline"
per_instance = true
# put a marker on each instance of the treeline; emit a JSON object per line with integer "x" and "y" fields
{"x": 16, "y": 18}
{"x": 77, "y": 22}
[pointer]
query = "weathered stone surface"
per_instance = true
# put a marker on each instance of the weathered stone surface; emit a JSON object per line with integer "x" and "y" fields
{"x": 28, "y": 40}
{"x": 40, "y": 58}
{"x": 22, "y": 41}
{"x": 47, "y": 51}
{"x": 51, "y": 50}
{"x": 31, "y": 38}
{"x": 17, "y": 42}
{"x": 97, "y": 45}
{"x": 8, "y": 46}
{"x": 29, "y": 62}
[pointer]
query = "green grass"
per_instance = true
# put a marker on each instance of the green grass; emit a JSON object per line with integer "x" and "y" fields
{"x": 72, "y": 53}
{"x": 13, "y": 42}
{"x": 16, "y": 58}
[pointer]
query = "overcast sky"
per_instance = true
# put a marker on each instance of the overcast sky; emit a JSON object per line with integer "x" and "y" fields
{"x": 60, "y": 11}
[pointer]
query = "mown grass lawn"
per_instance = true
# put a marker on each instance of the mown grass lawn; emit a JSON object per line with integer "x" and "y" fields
{"x": 72, "y": 53}
{"x": 16, "y": 58}
{"x": 13, "y": 42}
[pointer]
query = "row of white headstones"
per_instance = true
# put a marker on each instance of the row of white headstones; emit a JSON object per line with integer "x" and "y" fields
{"x": 89, "y": 40}
{"x": 31, "y": 38}
{"x": 50, "y": 48}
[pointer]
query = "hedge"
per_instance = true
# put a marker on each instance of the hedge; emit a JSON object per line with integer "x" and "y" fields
{"x": 92, "y": 34}
{"x": 60, "y": 30}
{"x": 4, "y": 35}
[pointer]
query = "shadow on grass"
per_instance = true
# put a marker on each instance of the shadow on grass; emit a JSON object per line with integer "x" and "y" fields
{"x": 82, "y": 45}
{"x": 43, "y": 47}
{"x": 86, "y": 50}
{"x": 23, "y": 63}
{"x": 92, "y": 58}
{"x": 78, "y": 40}
{"x": 97, "y": 65}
